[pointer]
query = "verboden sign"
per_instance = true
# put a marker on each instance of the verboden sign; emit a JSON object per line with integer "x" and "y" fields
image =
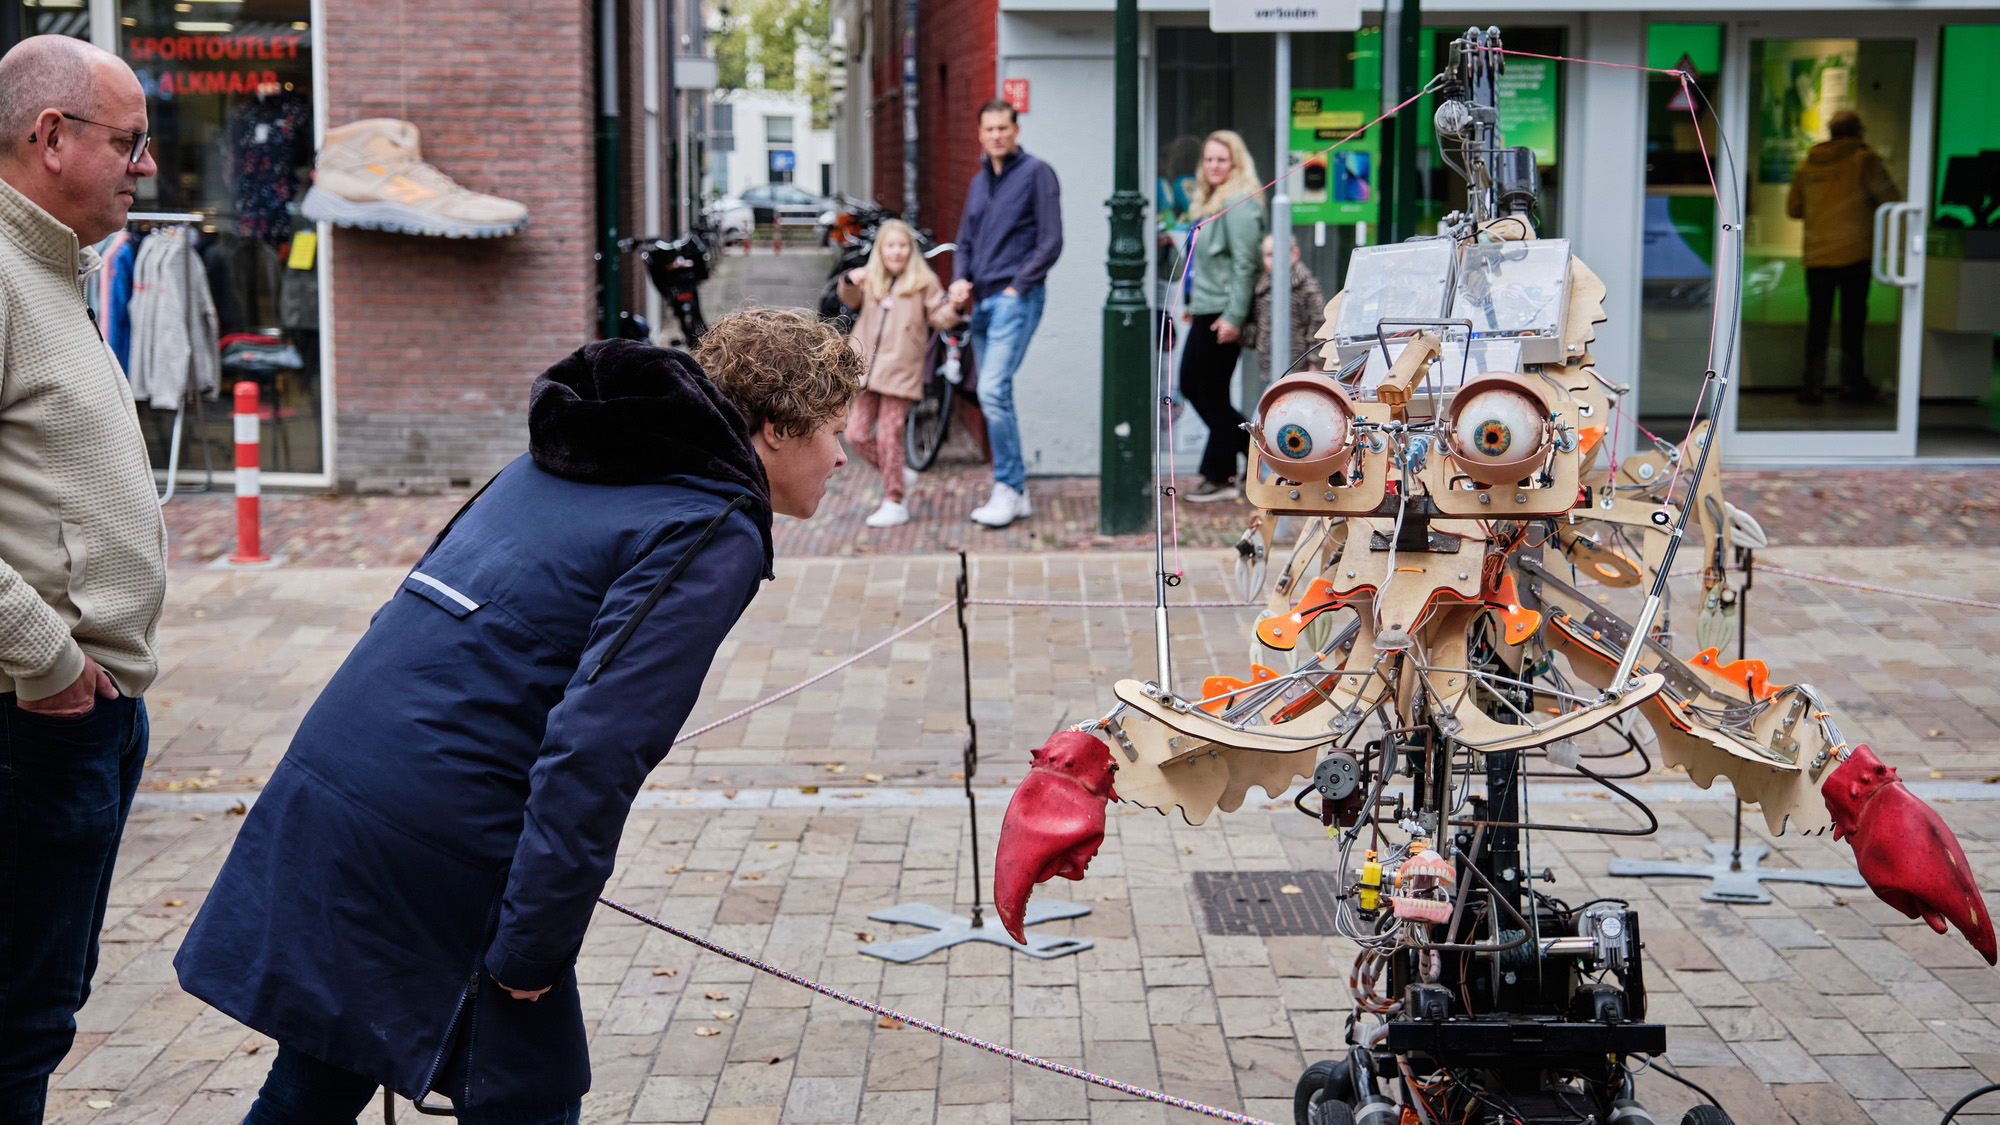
{"x": 1284, "y": 15}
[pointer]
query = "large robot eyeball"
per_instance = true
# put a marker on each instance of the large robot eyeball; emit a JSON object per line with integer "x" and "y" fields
{"x": 1495, "y": 425}
{"x": 1303, "y": 423}
{"x": 1499, "y": 428}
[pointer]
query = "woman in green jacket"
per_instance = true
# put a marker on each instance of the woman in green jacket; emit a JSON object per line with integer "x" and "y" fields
{"x": 1227, "y": 256}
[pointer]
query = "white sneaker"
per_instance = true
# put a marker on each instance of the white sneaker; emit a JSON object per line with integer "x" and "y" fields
{"x": 1004, "y": 507}
{"x": 890, "y": 514}
{"x": 909, "y": 478}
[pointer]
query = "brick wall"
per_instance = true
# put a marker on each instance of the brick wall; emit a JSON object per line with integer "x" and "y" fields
{"x": 885, "y": 103}
{"x": 437, "y": 340}
{"x": 957, "y": 51}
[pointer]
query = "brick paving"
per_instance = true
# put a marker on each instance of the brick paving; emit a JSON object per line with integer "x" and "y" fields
{"x": 778, "y": 835}
{"x": 1821, "y": 1006}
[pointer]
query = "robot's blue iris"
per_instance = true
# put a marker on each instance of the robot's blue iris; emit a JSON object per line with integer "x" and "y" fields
{"x": 1493, "y": 437}
{"x": 1294, "y": 440}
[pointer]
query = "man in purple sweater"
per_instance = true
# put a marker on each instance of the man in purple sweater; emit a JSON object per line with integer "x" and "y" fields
{"x": 1009, "y": 236}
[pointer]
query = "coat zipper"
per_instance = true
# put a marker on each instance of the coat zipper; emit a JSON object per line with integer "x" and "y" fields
{"x": 471, "y": 985}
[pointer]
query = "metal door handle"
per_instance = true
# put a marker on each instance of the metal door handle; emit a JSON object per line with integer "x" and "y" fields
{"x": 1897, "y": 245}
{"x": 1880, "y": 242}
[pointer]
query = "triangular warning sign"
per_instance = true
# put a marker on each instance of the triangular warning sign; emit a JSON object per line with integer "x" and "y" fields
{"x": 1680, "y": 102}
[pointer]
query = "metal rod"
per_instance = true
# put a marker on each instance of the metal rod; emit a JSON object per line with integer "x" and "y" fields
{"x": 1281, "y": 217}
{"x": 165, "y": 217}
{"x": 971, "y": 732}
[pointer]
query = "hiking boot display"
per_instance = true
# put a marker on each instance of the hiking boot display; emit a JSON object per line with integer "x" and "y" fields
{"x": 372, "y": 174}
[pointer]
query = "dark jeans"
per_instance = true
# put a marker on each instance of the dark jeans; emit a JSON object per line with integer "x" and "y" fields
{"x": 301, "y": 1090}
{"x": 1850, "y": 283}
{"x": 65, "y": 787}
{"x": 1206, "y": 368}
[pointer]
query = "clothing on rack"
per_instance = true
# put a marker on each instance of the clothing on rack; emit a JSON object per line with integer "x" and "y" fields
{"x": 118, "y": 269}
{"x": 98, "y": 295}
{"x": 269, "y": 138}
{"x": 215, "y": 259}
{"x": 173, "y": 323}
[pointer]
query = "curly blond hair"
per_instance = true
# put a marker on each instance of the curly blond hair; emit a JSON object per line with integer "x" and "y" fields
{"x": 781, "y": 366}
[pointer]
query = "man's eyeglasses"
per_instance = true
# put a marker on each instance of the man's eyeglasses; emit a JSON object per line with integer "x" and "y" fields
{"x": 139, "y": 139}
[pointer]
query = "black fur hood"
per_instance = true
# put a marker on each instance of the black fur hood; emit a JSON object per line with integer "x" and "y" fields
{"x": 626, "y": 412}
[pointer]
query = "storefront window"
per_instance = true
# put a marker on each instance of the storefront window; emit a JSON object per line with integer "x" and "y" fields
{"x": 56, "y": 17}
{"x": 230, "y": 90}
{"x": 1959, "y": 409}
{"x": 1677, "y": 293}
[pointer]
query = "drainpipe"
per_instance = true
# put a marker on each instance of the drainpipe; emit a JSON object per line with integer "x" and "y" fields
{"x": 609, "y": 284}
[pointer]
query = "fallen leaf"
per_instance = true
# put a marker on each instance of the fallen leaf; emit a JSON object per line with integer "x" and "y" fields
{"x": 176, "y": 902}
{"x": 808, "y": 789}
{"x": 99, "y": 1103}
{"x": 711, "y": 878}
{"x": 715, "y": 994}
{"x": 685, "y": 800}
{"x": 197, "y": 816}
{"x": 216, "y": 772}
{"x": 753, "y": 876}
{"x": 237, "y": 809}
{"x": 715, "y": 781}
{"x": 774, "y": 1060}
{"x": 871, "y": 777}
{"x": 863, "y": 935}
{"x": 958, "y": 775}
{"x": 708, "y": 1032}
{"x": 722, "y": 1013}
{"x": 826, "y": 652}
{"x": 666, "y": 972}
{"x": 253, "y": 1048}
{"x": 848, "y": 796}
{"x": 677, "y": 868}
{"x": 889, "y": 1022}
{"x": 1291, "y": 889}
{"x": 729, "y": 794}
{"x": 835, "y": 767}
{"x": 1937, "y": 773}
{"x": 1934, "y": 734}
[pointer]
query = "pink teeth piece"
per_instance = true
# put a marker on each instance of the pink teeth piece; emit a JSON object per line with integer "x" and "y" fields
{"x": 1425, "y": 864}
{"x": 1422, "y": 909}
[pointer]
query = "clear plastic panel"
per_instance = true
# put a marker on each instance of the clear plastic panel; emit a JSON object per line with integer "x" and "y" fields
{"x": 1518, "y": 290}
{"x": 1396, "y": 280}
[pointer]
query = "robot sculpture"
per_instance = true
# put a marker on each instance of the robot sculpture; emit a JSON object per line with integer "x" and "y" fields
{"x": 1453, "y": 475}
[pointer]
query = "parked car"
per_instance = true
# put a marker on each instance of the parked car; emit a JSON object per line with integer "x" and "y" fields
{"x": 769, "y": 201}
{"x": 731, "y": 219}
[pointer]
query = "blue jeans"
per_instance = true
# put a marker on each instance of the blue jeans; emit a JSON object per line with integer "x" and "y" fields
{"x": 66, "y": 786}
{"x": 301, "y": 1090}
{"x": 1001, "y": 329}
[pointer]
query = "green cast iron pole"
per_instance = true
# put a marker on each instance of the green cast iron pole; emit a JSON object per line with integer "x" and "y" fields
{"x": 1408, "y": 81}
{"x": 1125, "y": 461}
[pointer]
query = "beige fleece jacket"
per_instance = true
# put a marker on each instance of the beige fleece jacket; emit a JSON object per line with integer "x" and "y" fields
{"x": 83, "y": 550}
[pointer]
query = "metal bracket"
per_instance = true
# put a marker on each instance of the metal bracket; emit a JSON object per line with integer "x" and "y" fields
{"x": 948, "y": 930}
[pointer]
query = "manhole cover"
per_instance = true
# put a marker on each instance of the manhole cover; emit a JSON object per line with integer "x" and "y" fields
{"x": 1259, "y": 902}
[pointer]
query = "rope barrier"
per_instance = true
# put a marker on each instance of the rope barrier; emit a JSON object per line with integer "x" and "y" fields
{"x": 802, "y": 685}
{"x": 938, "y": 1029}
{"x": 1917, "y": 595}
{"x": 1107, "y": 605}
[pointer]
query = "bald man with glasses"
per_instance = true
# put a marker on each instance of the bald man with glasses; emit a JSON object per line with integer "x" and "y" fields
{"x": 82, "y": 545}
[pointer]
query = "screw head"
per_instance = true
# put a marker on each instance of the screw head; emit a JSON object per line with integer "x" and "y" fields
{"x": 1485, "y": 498}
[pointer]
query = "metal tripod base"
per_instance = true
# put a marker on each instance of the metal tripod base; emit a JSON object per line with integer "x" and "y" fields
{"x": 1741, "y": 884}
{"x": 948, "y": 930}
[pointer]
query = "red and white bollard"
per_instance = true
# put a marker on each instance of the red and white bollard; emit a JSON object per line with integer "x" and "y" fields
{"x": 247, "y": 548}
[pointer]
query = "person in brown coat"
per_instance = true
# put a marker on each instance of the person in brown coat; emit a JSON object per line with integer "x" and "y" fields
{"x": 1308, "y": 313}
{"x": 900, "y": 300}
{"x": 1835, "y": 191}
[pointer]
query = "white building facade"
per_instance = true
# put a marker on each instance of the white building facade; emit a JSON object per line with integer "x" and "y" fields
{"x": 1624, "y": 180}
{"x": 772, "y": 140}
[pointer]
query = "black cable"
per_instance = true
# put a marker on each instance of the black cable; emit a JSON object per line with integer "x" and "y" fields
{"x": 1662, "y": 1068}
{"x": 1961, "y": 1103}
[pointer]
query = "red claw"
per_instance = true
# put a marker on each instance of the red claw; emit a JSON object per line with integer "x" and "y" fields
{"x": 1054, "y": 824}
{"x": 1904, "y": 851}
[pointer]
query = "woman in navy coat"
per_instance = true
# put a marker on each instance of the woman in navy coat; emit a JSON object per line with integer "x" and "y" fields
{"x": 406, "y": 900}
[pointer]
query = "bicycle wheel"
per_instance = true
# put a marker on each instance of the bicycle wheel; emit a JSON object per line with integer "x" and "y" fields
{"x": 929, "y": 421}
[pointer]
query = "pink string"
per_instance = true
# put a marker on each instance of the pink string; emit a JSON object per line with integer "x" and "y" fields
{"x": 1586, "y": 62}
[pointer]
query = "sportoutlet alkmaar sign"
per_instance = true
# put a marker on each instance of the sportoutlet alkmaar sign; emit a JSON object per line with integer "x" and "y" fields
{"x": 1277, "y": 15}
